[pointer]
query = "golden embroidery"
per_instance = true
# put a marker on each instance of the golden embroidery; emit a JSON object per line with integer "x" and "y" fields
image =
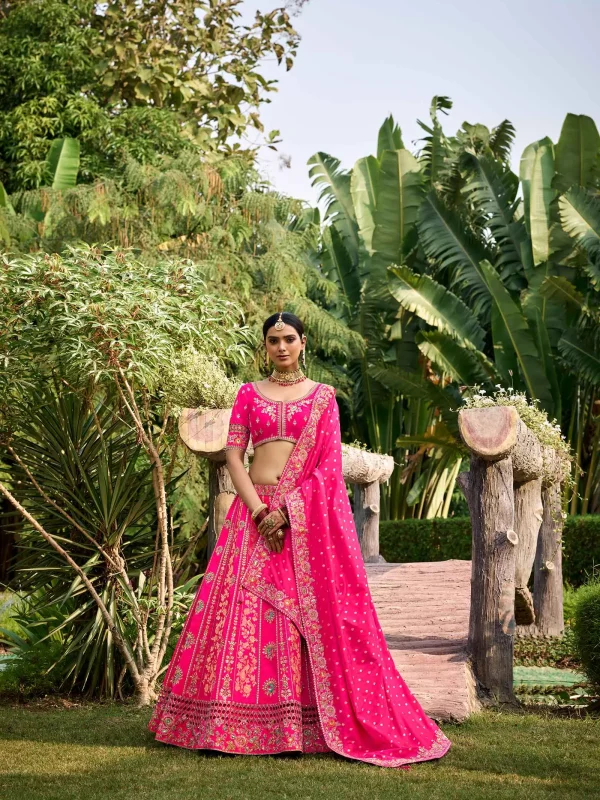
{"x": 209, "y": 577}
{"x": 268, "y": 407}
{"x": 269, "y": 650}
{"x": 295, "y": 644}
{"x": 269, "y": 686}
{"x": 285, "y": 693}
{"x": 189, "y": 641}
{"x": 270, "y": 615}
{"x": 247, "y": 660}
{"x": 237, "y": 727}
{"x": 177, "y": 676}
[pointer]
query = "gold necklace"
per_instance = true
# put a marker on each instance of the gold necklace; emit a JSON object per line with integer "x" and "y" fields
{"x": 287, "y": 378}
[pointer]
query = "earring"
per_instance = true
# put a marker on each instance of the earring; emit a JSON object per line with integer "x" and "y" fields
{"x": 304, "y": 357}
{"x": 266, "y": 361}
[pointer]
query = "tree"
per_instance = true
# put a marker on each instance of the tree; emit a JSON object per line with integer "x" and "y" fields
{"x": 134, "y": 79}
{"x": 92, "y": 344}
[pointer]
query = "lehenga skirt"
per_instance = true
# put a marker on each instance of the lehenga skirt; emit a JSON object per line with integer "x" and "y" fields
{"x": 240, "y": 679}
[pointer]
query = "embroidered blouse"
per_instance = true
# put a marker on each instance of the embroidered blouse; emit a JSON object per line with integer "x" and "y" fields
{"x": 266, "y": 420}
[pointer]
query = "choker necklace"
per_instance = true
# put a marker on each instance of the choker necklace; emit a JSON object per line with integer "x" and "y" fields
{"x": 287, "y": 378}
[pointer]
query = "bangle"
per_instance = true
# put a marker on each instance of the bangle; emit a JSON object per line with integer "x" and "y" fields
{"x": 261, "y": 515}
{"x": 283, "y": 511}
{"x": 258, "y": 509}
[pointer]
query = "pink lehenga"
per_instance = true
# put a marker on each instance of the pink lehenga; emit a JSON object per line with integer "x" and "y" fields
{"x": 284, "y": 651}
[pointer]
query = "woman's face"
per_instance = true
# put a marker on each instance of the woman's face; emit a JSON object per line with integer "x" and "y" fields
{"x": 284, "y": 347}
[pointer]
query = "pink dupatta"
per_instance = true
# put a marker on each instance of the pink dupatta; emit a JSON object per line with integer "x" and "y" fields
{"x": 367, "y": 712}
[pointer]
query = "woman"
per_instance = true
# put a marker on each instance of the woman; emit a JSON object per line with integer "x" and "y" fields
{"x": 282, "y": 649}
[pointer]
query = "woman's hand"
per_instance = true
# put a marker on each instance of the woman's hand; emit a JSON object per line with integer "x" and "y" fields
{"x": 271, "y": 527}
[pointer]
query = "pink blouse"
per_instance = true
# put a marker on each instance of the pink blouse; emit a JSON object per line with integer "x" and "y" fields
{"x": 265, "y": 420}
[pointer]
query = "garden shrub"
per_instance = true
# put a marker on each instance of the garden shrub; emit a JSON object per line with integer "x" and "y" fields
{"x": 439, "y": 539}
{"x": 25, "y": 675}
{"x": 587, "y": 629}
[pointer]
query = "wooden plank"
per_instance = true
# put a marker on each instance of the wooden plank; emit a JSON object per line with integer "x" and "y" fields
{"x": 423, "y": 609}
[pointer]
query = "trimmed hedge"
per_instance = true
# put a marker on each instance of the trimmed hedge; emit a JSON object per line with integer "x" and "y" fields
{"x": 409, "y": 540}
{"x": 587, "y": 629}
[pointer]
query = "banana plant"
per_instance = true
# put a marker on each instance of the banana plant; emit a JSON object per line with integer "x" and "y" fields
{"x": 370, "y": 215}
{"x": 62, "y": 168}
{"x": 477, "y": 270}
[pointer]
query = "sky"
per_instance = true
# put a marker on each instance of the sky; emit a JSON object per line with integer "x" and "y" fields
{"x": 360, "y": 60}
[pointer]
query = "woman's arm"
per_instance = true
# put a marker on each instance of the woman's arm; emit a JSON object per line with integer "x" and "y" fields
{"x": 241, "y": 480}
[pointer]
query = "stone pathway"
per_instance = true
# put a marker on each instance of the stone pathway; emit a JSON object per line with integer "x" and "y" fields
{"x": 423, "y": 609}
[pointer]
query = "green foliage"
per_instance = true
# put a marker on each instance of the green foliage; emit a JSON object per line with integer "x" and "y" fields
{"x": 133, "y": 79}
{"x": 91, "y": 315}
{"x": 547, "y": 651}
{"x": 486, "y": 286}
{"x": 412, "y": 540}
{"x": 587, "y": 629}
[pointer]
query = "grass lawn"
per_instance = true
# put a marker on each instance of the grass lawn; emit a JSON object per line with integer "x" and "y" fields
{"x": 103, "y": 750}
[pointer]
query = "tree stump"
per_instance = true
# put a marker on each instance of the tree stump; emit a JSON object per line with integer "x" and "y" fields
{"x": 366, "y": 517}
{"x": 491, "y": 435}
{"x": 492, "y": 619}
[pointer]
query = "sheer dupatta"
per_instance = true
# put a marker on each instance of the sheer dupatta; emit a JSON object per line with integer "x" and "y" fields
{"x": 319, "y": 580}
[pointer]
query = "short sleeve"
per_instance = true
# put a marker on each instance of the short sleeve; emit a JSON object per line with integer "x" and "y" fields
{"x": 239, "y": 423}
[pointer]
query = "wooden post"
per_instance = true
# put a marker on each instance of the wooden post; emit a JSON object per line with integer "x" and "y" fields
{"x": 221, "y": 493}
{"x": 548, "y": 580}
{"x": 528, "y": 519}
{"x": 366, "y": 518}
{"x": 492, "y": 620}
{"x": 491, "y": 434}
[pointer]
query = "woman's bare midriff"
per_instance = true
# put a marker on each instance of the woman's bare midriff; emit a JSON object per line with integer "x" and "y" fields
{"x": 269, "y": 460}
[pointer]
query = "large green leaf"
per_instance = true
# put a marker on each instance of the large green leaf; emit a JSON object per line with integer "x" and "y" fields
{"x": 344, "y": 270}
{"x": 512, "y": 328}
{"x": 363, "y": 187}
{"x": 537, "y": 172}
{"x": 491, "y": 190}
{"x": 389, "y": 137}
{"x": 580, "y": 218}
{"x": 505, "y": 357}
{"x": 544, "y": 347}
{"x": 581, "y": 353}
{"x": 435, "y": 149}
{"x": 399, "y": 197}
{"x": 436, "y": 305}
{"x": 334, "y": 183}
{"x": 446, "y": 239}
{"x": 462, "y": 364}
{"x": 413, "y": 384}
{"x": 5, "y": 207}
{"x": 577, "y": 152}
{"x": 63, "y": 158}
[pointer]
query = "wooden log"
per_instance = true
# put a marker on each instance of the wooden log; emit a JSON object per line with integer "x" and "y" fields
{"x": 528, "y": 519}
{"x": 205, "y": 432}
{"x": 547, "y": 571}
{"x": 221, "y": 493}
{"x": 490, "y": 433}
{"x": 366, "y": 518}
{"x": 488, "y": 490}
{"x": 526, "y": 455}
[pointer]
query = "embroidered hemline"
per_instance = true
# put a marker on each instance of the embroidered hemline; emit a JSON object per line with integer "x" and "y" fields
{"x": 243, "y": 728}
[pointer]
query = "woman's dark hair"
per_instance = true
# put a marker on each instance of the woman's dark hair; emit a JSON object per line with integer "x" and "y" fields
{"x": 289, "y": 319}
